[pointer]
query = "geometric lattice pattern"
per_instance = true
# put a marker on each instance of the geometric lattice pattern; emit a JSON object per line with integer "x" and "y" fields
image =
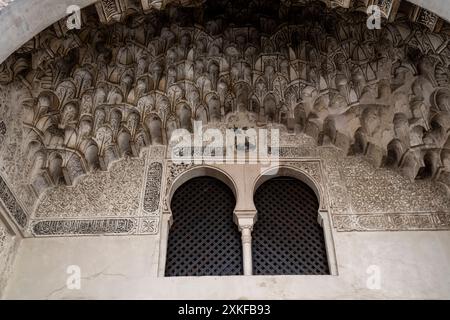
{"x": 203, "y": 240}
{"x": 287, "y": 239}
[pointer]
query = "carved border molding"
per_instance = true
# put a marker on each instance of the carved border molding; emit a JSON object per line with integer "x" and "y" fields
{"x": 392, "y": 222}
{"x": 12, "y": 205}
{"x": 87, "y": 227}
{"x": 152, "y": 188}
{"x": 152, "y": 185}
{"x": 2, "y": 131}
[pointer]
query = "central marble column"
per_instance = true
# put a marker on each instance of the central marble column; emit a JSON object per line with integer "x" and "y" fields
{"x": 245, "y": 221}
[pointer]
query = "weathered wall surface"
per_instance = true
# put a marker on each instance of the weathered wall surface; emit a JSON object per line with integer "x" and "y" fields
{"x": 411, "y": 264}
{"x": 8, "y": 248}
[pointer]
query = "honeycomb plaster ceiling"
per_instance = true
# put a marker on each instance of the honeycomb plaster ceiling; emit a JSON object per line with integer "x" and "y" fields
{"x": 128, "y": 80}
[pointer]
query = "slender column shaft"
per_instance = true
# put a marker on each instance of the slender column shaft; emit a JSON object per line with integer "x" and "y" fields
{"x": 247, "y": 250}
{"x": 165, "y": 226}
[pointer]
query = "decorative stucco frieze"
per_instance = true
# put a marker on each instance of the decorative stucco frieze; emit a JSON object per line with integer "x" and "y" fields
{"x": 115, "y": 193}
{"x": 105, "y": 203}
{"x": 312, "y": 168}
{"x": 148, "y": 225}
{"x": 296, "y": 153}
{"x": 84, "y": 227}
{"x": 156, "y": 152}
{"x": 380, "y": 190}
{"x": 11, "y": 204}
{"x": 392, "y": 222}
{"x": 337, "y": 190}
{"x": 426, "y": 18}
{"x": 2, "y": 131}
{"x": 377, "y": 97}
{"x": 364, "y": 98}
{"x": 153, "y": 188}
{"x": 88, "y": 227}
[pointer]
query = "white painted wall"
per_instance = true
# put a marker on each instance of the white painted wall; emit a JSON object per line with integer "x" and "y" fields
{"x": 412, "y": 265}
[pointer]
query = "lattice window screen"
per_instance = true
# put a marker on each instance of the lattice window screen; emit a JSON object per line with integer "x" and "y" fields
{"x": 287, "y": 238}
{"x": 203, "y": 240}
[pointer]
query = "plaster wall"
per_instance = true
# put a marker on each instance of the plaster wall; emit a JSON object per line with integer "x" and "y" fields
{"x": 8, "y": 248}
{"x": 411, "y": 265}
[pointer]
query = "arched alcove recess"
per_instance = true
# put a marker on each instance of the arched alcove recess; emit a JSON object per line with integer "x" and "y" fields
{"x": 323, "y": 215}
{"x": 172, "y": 187}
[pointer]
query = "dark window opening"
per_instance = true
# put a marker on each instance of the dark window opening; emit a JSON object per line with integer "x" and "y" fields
{"x": 203, "y": 240}
{"x": 287, "y": 238}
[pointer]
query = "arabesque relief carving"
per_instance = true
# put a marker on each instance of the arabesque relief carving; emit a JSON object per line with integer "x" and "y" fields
{"x": 109, "y": 90}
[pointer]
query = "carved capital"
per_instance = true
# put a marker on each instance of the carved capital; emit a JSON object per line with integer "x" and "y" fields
{"x": 245, "y": 219}
{"x": 246, "y": 234}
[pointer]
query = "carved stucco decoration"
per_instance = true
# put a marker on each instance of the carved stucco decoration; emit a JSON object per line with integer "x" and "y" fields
{"x": 153, "y": 182}
{"x": 392, "y": 222}
{"x": 14, "y": 157}
{"x": 12, "y": 205}
{"x": 115, "y": 193}
{"x": 328, "y": 171}
{"x": 375, "y": 190}
{"x": 376, "y": 96}
{"x": 84, "y": 227}
{"x": 103, "y": 93}
{"x": 105, "y": 202}
{"x": 173, "y": 171}
{"x": 153, "y": 188}
{"x": 364, "y": 198}
{"x": 2, "y": 131}
{"x": 111, "y": 11}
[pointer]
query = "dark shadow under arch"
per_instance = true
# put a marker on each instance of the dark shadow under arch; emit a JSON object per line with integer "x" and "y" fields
{"x": 203, "y": 240}
{"x": 287, "y": 238}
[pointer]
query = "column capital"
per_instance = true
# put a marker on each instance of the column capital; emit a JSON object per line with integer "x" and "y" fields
{"x": 167, "y": 216}
{"x": 245, "y": 219}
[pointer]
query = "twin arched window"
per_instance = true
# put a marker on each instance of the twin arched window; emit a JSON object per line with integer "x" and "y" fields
{"x": 204, "y": 240}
